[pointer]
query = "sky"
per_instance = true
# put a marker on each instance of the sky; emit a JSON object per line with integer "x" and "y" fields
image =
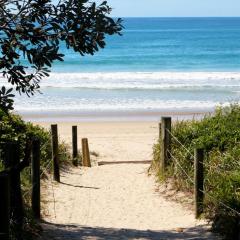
{"x": 175, "y": 8}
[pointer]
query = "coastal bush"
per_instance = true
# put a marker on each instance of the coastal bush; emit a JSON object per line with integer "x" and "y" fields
{"x": 14, "y": 129}
{"x": 219, "y": 135}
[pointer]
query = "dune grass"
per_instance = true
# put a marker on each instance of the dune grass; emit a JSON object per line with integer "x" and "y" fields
{"x": 219, "y": 135}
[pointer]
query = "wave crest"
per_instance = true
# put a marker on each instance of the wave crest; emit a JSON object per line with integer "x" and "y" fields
{"x": 143, "y": 80}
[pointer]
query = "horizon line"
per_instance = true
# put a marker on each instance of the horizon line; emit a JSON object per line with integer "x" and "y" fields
{"x": 175, "y": 17}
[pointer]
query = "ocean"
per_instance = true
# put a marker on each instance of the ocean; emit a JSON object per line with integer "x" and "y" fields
{"x": 158, "y": 65}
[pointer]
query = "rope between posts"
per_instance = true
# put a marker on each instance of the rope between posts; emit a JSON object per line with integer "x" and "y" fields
{"x": 204, "y": 192}
{"x": 180, "y": 142}
{"x": 45, "y": 144}
{"x": 223, "y": 204}
{"x": 54, "y": 200}
{"x": 29, "y": 190}
{"x": 43, "y": 171}
{"x": 175, "y": 138}
{"x": 189, "y": 178}
{"x": 203, "y": 163}
{"x": 46, "y": 168}
{"x": 53, "y": 194}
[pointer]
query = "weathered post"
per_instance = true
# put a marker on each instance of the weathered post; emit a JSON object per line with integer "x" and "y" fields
{"x": 198, "y": 181}
{"x": 85, "y": 153}
{"x": 165, "y": 142}
{"x": 4, "y": 207}
{"x": 160, "y": 131}
{"x": 55, "y": 157}
{"x": 238, "y": 230}
{"x": 36, "y": 178}
{"x": 12, "y": 159}
{"x": 74, "y": 146}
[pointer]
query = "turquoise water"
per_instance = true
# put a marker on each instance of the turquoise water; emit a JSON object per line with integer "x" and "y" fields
{"x": 166, "y": 44}
{"x": 159, "y": 64}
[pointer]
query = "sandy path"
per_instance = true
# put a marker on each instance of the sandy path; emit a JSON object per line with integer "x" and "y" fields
{"x": 114, "y": 141}
{"x": 116, "y": 201}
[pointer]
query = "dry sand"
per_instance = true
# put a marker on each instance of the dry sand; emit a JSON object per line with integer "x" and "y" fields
{"x": 114, "y": 141}
{"x": 116, "y": 201}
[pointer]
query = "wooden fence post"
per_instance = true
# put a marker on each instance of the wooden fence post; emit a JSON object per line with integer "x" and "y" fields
{"x": 55, "y": 157}
{"x": 85, "y": 153}
{"x": 160, "y": 131}
{"x": 4, "y": 207}
{"x": 12, "y": 159}
{"x": 36, "y": 178}
{"x": 198, "y": 181}
{"x": 74, "y": 146}
{"x": 165, "y": 142}
{"x": 238, "y": 236}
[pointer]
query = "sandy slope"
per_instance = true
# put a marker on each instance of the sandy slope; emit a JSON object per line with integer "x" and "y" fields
{"x": 116, "y": 201}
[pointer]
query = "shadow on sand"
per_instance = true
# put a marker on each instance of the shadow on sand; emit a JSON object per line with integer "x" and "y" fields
{"x": 76, "y": 232}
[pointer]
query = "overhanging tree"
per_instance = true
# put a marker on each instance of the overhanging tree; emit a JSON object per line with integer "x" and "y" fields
{"x": 32, "y": 30}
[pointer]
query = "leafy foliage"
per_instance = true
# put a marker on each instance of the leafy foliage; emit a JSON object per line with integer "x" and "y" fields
{"x": 219, "y": 135}
{"x": 6, "y": 101}
{"x": 32, "y": 30}
{"x": 14, "y": 129}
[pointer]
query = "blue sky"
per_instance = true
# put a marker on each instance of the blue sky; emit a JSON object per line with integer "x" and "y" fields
{"x": 175, "y": 8}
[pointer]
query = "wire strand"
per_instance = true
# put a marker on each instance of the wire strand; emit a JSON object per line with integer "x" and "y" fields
{"x": 179, "y": 142}
{"x": 190, "y": 179}
{"x": 206, "y": 165}
{"x": 43, "y": 171}
{"x": 220, "y": 202}
{"x": 204, "y": 192}
{"x": 54, "y": 200}
{"x": 46, "y": 168}
{"x": 53, "y": 193}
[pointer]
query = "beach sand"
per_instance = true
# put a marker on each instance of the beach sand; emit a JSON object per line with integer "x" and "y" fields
{"x": 113, "y": 141}
{"x": 115, "y": 201}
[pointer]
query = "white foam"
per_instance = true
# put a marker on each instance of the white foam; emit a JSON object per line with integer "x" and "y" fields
{"x": 143, "y": 80}
{"x": 180, "y": 82}
{"x": 50, "y": 104}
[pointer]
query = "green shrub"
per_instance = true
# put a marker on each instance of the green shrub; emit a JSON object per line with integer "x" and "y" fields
{"x": 219, "y": 135}
{"x": 14, "y": 129}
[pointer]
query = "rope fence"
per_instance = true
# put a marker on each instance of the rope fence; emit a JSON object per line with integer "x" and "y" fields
{"x": 179, "y": 165}
{"x": 204, "y": 192}
{"x": 176, "y": 139}
{"x": 44, "y": 171}
{"x": 165, "y": 137}
{"x": 32, "y": 159}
